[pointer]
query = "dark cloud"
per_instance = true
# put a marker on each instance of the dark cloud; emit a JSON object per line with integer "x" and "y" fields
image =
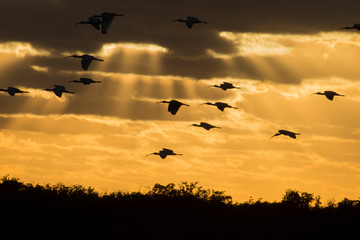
{"x": 51, "y": 23}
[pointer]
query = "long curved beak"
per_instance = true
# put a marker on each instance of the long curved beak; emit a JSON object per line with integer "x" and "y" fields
{"x": 273, "y": 136}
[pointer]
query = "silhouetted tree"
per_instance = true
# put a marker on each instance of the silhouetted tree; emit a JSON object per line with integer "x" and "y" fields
{"x": 296, "y": 199}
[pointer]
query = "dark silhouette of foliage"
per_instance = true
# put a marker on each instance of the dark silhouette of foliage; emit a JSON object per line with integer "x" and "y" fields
{"x": 296, "y": 199}
{"x": 171, "y": 211}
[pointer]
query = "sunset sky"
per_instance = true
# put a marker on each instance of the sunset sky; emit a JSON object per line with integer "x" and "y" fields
{"x": 279, "y": 52}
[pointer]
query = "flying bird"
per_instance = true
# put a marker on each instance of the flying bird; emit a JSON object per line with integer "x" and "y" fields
{"x": 225, "y": 86}
{"x": 12, "y": 90}
{"x": 164, "y": 153}
{"x": 190, "y": 21}
{"x": 286, "y": 133}
{"x": 329, "y": 94}
{"x": 85, "y": 81}
{"x": 355, "y": 26}
{"x": 85, "y": 60}
{"x": 58, "y": 90}
{"x": 220, "y": 105}
{"x": 174, "y": 106}
{"x": 204, "y": 125}
{"x": 94, "y": 21}
{"x": 106, "y": 20}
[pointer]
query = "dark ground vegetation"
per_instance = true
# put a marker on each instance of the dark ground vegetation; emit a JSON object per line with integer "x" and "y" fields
{"x": 183, "y": 211}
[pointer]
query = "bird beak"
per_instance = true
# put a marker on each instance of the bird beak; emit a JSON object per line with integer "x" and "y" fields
{"x": 272, "y": 136}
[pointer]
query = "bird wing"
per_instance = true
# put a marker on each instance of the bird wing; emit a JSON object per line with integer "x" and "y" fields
{"x": 86, "y": 80}
{"x": 58, "y": 92}
{"x": 95, "y": 22}
{"x": 206, "y": 125}
{"x": 189, "y": 24}
{"x": 167, "y": 151}
{"x": 329, "y": 96}
{"x": 292, "y": 135}
{"x": 85, "y": 62}
{"x": 226, "y": 84}
{"x": 192, "y": 19}
{"x": 174, "y": 107}
{"x": 106, "y": 22}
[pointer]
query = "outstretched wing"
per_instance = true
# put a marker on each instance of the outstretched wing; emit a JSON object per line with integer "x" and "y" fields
{"x": 329, "y": 96}
{"x": 167, "y": 151}
{"x": 85, "y": 62}
{"x": 106, "y": 22}
{"x": 173, "y": 107}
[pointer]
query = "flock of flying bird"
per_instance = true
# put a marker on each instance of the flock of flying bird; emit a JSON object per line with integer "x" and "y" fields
{"x": 102, "y": 22}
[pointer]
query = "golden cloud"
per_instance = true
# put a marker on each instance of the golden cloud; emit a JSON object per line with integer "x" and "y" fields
{"x": 270, "y": 44}
{"x": 22, "y": 49}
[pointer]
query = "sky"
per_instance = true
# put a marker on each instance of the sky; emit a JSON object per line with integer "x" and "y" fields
{"x": 279, "y": 52}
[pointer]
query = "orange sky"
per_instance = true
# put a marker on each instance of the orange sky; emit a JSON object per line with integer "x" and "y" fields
{"x": 100, "y": 136}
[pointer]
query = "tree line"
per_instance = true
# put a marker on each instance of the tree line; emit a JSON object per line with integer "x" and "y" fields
{"x": 172, "y": 211}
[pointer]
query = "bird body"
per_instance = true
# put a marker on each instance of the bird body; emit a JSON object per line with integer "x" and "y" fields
{"x": 286, "y": 133}
{"x": 220, "y": 105}
{"x": 174, "y": 106}
{"x": 85, "y": 81}
{"x": 86, "y": 60}
{"x": 225, "y": 86}
{"x": 12, "y": 91}
{"x": 204, "y": 125}
{"x": 58, "y": 90}
{"x": 94, "y": 21}
{"x": 329, "y": 94}
{"x": 106, "y": 20}
{"x": 190, "y": 21}
{"x": 164, "y": 153}
{"x": 355, "y": 26}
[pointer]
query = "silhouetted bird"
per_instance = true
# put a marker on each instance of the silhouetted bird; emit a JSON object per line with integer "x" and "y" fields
{"x": 225, "y": 86}
{"x": 58, "y": 90}
{"x": 329, "y": 94}
{"x": 164, "y": 153}
{"x": 355, "y": 26}
{"x": 12, "y": 90}
{"x": 204, "y": 125}
{"x": 85, "y": 81}
{"x": 94, "y": 21}
{"x": 220, "y": 105}
{"x": 174, "y": 106}
{"x": 190, "y": 21}
{"x": 106, "y": 20}
{"x": 86, "y": 60}
{"x": 287, "y": 133}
